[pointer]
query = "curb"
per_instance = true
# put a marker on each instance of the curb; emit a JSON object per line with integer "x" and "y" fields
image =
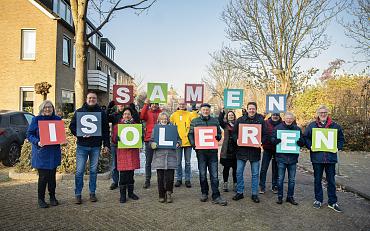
{"x": 59, "y": 176}
{"x": 344, "y": 187}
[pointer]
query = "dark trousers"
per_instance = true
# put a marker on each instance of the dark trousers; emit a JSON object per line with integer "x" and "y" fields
{"x": 210, "y": 161}
{"x": 291, "y": 168}
{"x": 226, "y": 170}
{"x": 318, "y": 170}
{"x": 148, "y": 161}
{"x": 126, "y": 177}
{"x": 46, "y": 177}
{"x": 266, "y": 158}
{"x": 165, "y": 179}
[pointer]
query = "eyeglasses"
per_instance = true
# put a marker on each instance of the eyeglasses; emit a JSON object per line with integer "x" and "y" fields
{"x": 323, "y": 112}
{"x": 48, "y": 107}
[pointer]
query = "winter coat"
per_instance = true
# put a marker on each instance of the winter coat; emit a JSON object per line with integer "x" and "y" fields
{"x": 323, "y": 157}
{"x": 286, "y": 158}
{"x": 249, "y": 153}
{"x": 127, "y": 158}
{"x": 228, "y": 148}
{"x": 203, "y": 121}
{"x": 270, "y": 126}
{"x": 92, "y": 141}
{"x": 150, "y": 117}
{"x": 164, "y": 158}
{"x": 182, "y": 119}
{"x": 48, "y": 156}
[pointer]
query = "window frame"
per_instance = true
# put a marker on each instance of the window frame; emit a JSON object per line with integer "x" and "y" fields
{"x": 69, "y": 40}
{"x": 22, "y": 44}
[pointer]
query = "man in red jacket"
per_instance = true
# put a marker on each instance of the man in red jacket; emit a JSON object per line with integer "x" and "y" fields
{"x": 149, "y": 114}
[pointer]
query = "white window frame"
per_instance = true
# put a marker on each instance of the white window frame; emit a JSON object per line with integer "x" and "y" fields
{"x": 21, "y": 90}
{"x": 74, "y": 56}
{"x": 22, "y": 43}
{"x": 69, "y": 50}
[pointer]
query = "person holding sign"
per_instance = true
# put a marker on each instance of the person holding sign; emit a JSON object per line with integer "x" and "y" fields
{"x": 289, "y": 139}
{"x": 165, "y": 156}
{"x": 227, "y": 155}
{"x": 128, "y": 159}
{"x": 324, "y": 138}
{"x": 88, "y": 143}
{"x": 249, "y": 142}
{"x": 149, "y": 114}
{"x": 45, "y": 158}
{"x": 203, "y": 135}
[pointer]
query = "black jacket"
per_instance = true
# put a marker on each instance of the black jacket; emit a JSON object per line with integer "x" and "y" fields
{"x": 92, "y": 141}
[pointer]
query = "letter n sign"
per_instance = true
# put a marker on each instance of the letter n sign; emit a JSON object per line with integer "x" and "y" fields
{"x": 324, "y": 140}
{"x": 130, "y": 136}
{"x": 233, "y": 98}
{"x": 88, "y": 123}
{"x": 194, "y": 93}
{"x": 165, "y": 136}
{"x": 52, "y": 132}
{"x": 123, "y": 94}
{"x": 157, "y": 92}
{"x": 249, "y": 135}
{"x": 205, "y": 137}
{"x": 275, "y": 103}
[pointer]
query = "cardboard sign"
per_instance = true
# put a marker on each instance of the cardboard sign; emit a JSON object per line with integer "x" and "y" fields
{"x": 276, "y": 103}
{"x": 194, "y": 93}
{"x": 157, "y": 92}
{"x": 88, "y": 123}
{"x": 165, "y": 136}
{"x": 123, "y": 94}
{"x": 233, "y": 98}
{"x": 288, "y": 141}
{"x": 250, "y": 135}
{"x": 205, "y": 137}
{"x": 52, "y": 132}
{"x": 130, "y": 135}
{"x": 324, "y": 140}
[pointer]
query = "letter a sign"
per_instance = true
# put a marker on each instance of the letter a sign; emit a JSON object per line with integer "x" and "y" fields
{"x": 123, "y": 94}
{"x": 249, "y": 135}
{"x": 157, "y": 92}
{"x": 324, "y": 140}
{"x": 194, "y": 93}
{"x": 205, "y": 137}
{"x": 130, "y": 136}
{"x": 52, "y": 132}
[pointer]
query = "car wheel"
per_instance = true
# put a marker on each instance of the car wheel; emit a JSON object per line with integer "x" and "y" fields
{"x": 13, "y": 155}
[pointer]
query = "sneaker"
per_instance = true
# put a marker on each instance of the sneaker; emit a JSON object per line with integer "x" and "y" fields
{"x": 204, "y": 198}
{"x": 220, "y": 201}
{"x": 78, "y": 200}
{"x": 262, "y": 190}
{"x": 291, "y": 200}
{"x": 279, "y": 201}
{"x": 53, "y": 201}
{"x": 93, "y": 197}
{"x": 226, "y": 187}
{"x": 178, "y": 183}
{"x": 113, "y": 186}
{"x": 162, "y": 200}
{"x": 238, "y": 196}
{"x": 335, "y": 207}
{"x": 188, "y": 184}
{"x": 43, "y": 204}
{"x": 255, "y": 199}
{"x": 146, "y": 184}
{"x": 317, "y": 204}
{"x": 169, "y": 197}
{"x": 275, "y": 189}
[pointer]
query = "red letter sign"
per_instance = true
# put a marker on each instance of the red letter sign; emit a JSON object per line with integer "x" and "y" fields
{"x": 52, "y": 132}
{"x": 249, "y": 135}
{"x": 194, "y": 93}
{"x": 123, "y": 94}
{"x": 205, "y": 137}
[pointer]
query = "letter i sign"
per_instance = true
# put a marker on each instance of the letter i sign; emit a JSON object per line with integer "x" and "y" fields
{"x": 52, "y": 132}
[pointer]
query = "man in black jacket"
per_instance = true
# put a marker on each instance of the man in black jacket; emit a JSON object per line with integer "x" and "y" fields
{"x": 253, "y": 154}
{"x": 88, "y": 147}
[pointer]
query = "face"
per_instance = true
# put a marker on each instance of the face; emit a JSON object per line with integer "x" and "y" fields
{"x": 47, "y": 110}
{"x": 182, "y": 105}
{"x": 205, "y": 111}
{"x": 251, "y": 110}
{"x": 154, "y": 106}
{"x": 91, "y": 99}
{"x": 323, "y": 114}
{"x": 127, "y": 115}
{"x": 120, "y": 107}
{"x": 275, "y": 117}
{"x": 230, "y": 116}
{"x": 289, "y": 119}
{"x": 163, "y": 120}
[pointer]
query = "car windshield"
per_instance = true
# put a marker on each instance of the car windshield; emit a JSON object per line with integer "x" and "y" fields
{"x": 28, "y": 118}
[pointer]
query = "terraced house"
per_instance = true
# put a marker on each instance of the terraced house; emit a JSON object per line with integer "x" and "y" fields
{"x": 38, "y": 46}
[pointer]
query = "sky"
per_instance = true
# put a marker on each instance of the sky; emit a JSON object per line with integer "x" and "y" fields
{"x": 172, "y": 41}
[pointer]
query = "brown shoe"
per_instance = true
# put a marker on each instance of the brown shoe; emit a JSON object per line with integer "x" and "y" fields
{"x": 93, "y": 197}
{"x": 78, "y": 200}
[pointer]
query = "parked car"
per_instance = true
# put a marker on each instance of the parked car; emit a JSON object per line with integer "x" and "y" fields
{"x": 13, "y": 128}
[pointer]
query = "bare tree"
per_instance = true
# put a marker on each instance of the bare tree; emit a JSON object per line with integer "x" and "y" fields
{"x": 79, "y": 14}
{"x": 272, "y": 36}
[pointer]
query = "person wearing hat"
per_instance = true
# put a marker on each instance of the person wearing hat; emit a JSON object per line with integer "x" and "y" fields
{"x": 269, "y": 151}
{"x": 207, "y": 158}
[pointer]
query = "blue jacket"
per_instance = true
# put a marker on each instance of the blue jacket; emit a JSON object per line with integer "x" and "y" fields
{"x": 46, "y": 157}
{"x": 323, "y": 157}
{"x": 286, "y": 158}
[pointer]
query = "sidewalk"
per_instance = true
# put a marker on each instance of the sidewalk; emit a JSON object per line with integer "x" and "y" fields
{"x": 353, "y": 174}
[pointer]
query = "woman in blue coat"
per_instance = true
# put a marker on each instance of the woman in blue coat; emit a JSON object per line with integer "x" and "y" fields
{"x": 45, "y": 158}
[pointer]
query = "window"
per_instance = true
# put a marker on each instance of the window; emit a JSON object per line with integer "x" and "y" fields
{"x": 27, "y": 99}
{"x": 62, "y": 10}
{"x": 68, "y": 15}
{"x": 97, "y": 40}
{"x": 66, "y": 50}
{"x": 74, "y": 56}
{"x": 67, "y": 102}
{"x": 29, "y": 44}
{"x": 28, "y": 118}
{"x": 98, "y": 64}
{"x": 17, "y": 119}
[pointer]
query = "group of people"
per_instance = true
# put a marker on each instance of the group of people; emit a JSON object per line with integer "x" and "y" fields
{"x": 46, "y": 158}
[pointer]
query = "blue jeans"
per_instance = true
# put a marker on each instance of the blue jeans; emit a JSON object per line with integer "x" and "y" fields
{"x": 291, "y": 178}
{"x": 82, "y": 154}
{"x": 113, "y": 150}
{"x": 210, "y": 161}
{"x": 187, "y": 154}
{"x": 318, "y": 170}
{"x": 255, "y": 166}
{"x": 266, "y": 158}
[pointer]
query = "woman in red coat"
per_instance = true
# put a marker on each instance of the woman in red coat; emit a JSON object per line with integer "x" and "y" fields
{"x": 128, "y": 160}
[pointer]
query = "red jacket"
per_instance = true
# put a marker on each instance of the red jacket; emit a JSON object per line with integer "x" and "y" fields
{"x": 150, "y": 117}
{"x": 127, "y": 158}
